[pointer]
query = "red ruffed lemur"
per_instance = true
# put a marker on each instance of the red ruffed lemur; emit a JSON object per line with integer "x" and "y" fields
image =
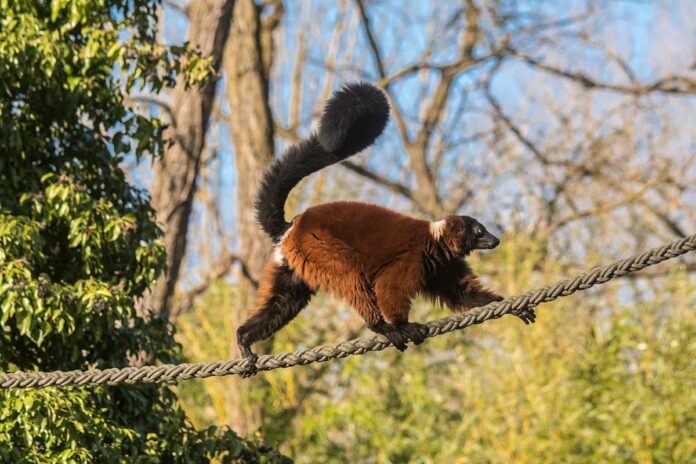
{"x": 374, "y": 258}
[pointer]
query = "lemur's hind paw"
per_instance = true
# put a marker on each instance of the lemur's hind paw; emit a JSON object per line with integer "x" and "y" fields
{"x": 250, "y": 369}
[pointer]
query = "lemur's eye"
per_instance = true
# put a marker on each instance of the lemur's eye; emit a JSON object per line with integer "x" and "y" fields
{"x": 478, "y": 230}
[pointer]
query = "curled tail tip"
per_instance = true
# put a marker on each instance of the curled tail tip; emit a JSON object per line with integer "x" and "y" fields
{"x": 353, "y": 118}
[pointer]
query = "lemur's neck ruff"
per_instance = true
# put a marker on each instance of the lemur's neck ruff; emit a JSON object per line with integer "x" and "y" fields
{"x": 437, "y": 229}
{"x": 447, "y": 244}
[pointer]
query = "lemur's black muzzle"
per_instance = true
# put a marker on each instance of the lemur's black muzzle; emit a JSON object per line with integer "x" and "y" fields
{"x": 487, "y": 242}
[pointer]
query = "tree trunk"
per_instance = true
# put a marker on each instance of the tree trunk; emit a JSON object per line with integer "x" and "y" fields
{"x": 247, "y": 65}
{"x": 252, "y": 129}
{"x": 175, "y": 174}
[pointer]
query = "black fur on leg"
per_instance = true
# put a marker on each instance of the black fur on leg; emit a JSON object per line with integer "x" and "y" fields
{"x": 452, "y": 282}
{"x": 288, "y": 296}
{"x": 251, "y": 369}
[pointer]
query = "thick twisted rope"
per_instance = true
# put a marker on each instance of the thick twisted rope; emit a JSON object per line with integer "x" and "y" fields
{"x": 513, "y": 305}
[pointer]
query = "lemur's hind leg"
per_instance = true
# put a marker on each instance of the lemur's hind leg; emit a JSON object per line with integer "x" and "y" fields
{"x": 364, "y": 300}
{"x": 281, "y": 297}
{"x": 329, "y": 263}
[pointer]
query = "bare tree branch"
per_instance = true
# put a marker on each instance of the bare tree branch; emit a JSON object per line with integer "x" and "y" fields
{"x": 377, "y": 56}
{"x": 184, "y": 10}
{"x": 381, "y": 180}
{"x": 296, "y": 95}
{"x": 507, "y": 121}
{"x": 669, "y": 84}
{"x": 217, "y": 271}
{"x": 150, "y": 100}
{"x": 603, "y": 208}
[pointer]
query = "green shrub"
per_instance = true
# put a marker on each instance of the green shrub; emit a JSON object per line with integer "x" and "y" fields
{"x": 78, "y": 244}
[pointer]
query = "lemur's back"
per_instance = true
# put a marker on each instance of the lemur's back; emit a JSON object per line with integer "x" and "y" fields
{"x": 375, "y": 233}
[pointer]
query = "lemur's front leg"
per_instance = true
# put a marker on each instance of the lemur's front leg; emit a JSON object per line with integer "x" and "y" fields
{"x": 472, "y": 294}
{"x": 395, "y": 327}
{"x": 394, "y": 288}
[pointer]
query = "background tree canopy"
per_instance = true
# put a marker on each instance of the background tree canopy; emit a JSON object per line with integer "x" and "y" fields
{"x": 132, "y": 138}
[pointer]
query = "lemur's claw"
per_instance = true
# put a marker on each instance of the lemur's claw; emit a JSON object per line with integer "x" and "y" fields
{"x": 528, "y": 316}
{"x": 251, "y": 368}
{"x": 416, "y": 332}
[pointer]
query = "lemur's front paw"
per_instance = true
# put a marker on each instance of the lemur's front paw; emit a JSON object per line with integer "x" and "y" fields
{"x": 398, "y": 338}
{"x": 416, "y": 332}
{"x": 527, "y": 315}
{"x": 393, "y": 334}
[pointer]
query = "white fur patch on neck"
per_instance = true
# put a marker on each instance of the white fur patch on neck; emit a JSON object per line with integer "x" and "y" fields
{"x": 437, "y": 229}
{"x": 278, "y": 256}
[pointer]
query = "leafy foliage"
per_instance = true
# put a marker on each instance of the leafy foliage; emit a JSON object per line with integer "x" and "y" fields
{"x": 77, "y": 243}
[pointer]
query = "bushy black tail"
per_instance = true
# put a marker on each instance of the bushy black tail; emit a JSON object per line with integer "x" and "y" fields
{"x": 353, "y": 118}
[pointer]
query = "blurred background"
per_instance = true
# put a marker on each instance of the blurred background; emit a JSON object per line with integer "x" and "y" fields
{"x": 568, "y": 128}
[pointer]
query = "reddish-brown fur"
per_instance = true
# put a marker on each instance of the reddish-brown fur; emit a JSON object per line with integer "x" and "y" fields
{"x": 370, "y": 256}
{"x": 375, "y": 259}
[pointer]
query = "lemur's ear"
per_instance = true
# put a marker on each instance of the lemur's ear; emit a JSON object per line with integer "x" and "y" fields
{"x": 455, "y": 226}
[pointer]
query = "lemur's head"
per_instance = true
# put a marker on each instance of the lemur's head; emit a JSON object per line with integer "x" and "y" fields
{"x": 476, "y": 236}
{"x": 464, "y": 234}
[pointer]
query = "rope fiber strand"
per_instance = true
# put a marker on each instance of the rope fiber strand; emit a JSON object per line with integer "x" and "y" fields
{"x": 513, "y": 305}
